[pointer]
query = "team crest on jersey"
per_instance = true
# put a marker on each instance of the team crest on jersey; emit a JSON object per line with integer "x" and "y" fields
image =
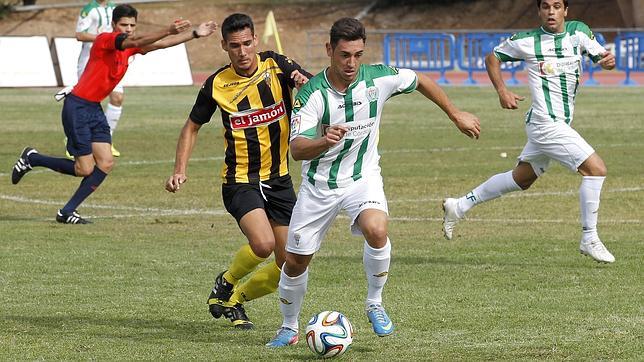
{"x": 295, "y": 124}
{"x": 372, "y": 93}
{"x": 267, "y": 79}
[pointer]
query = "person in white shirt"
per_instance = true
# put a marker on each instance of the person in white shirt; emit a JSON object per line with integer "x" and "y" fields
{"x": 335, "y": 130}
{"x": 553, "y": 55}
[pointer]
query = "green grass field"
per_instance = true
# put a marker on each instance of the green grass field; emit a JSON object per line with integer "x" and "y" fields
{"x": 512, "y": 285}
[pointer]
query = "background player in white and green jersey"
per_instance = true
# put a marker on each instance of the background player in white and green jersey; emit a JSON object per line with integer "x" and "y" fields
{"x": 553, "y": 55}
{"x": 96, "y": 18}
{"x": 335, "y": 130}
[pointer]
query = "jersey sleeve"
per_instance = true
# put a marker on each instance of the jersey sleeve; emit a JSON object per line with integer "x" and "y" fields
{"x": 308, "y": 114}
{"x": 588, "y": 42}
{"x": 390, "y": 80}
{"x": 288, "y": 65}
{"x": 87, "y": 21}
{"x": 509, "y": 50}
{"x": 406, "y": 81}
{"x": 205, "y": 105}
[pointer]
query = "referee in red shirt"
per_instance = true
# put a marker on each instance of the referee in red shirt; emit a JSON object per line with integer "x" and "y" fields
{"x": 86, "y": 128}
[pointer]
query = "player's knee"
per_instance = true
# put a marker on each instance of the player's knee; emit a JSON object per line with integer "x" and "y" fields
{"x": 296, "y": 265}
{"x": 116, "y": 99}
{"x": 83, "y": 170}
{"x": 105, "y": 165}
{"x": 525, "y": 184}
{"x": 264, "y": 248}
{"x": 375, "y": 233}
{"x": 600, "y": 169}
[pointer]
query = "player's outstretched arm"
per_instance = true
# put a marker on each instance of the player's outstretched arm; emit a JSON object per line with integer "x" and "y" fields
{"x": 508, "y": 99}
{"x": 140, "y": 41}
{"x": 185, "y": 144}
{"x": 466, "y": 122}
{"x": 303, "y": 148}
{"x": 203, "y": 30}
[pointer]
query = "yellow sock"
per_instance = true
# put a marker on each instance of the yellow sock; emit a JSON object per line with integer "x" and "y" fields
{"x": 264, "y": 281}
{"x": 243, "y": 263}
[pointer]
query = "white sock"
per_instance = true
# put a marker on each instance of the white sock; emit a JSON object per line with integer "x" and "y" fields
{"x": 113, "y": 114}
{"x": 291, "y": 292}
{"x": 496, "y": 186}
{"x": 589, "y": 192}
{"x": 376, "y": 267}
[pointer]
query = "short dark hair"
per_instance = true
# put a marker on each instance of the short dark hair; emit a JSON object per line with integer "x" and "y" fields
{"x": 124, "y": 11}
{"x": 564, "y": 1}
{"x": 347, "y": 29}
{"x": 236, "y": 22}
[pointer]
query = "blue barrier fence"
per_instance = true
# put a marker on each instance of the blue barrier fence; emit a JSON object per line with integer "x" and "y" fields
{"x": 472, "y": 49}
{"x": 440, "y": 52}
{"x": 629, "y": 49}
{"x": 425, "y": 52}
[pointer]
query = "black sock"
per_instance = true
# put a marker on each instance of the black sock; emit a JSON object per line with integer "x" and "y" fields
{"x": 87, "y": 186}
{"x": 61, "y": 165}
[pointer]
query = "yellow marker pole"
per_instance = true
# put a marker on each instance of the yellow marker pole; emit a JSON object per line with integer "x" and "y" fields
{"x": 271, "y": 30}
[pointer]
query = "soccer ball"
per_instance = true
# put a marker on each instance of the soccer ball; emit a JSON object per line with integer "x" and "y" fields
{"x": 329, "y": 334}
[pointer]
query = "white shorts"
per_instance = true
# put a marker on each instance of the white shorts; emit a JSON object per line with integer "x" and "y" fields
{"x": 316, "y": 209}
{"x": 557, "y": 141}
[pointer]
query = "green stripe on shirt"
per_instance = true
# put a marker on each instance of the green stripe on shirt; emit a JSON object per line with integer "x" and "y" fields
{"x": 562, "y": 79}
{"x": 544, "y": 82}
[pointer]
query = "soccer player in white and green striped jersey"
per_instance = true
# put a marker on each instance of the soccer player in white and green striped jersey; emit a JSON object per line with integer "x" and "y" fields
{"x": 553, "y": 55}
{"x": 335, "y": 129}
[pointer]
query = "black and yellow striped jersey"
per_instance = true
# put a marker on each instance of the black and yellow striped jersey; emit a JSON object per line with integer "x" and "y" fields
{"x": 255, "y": 112}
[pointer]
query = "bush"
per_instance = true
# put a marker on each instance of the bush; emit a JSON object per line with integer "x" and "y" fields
{"x": 6, "y": 6}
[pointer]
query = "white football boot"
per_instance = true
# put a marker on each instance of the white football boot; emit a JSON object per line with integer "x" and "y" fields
{"x": 596, "y": 250}
{"x": 450, "y": 217}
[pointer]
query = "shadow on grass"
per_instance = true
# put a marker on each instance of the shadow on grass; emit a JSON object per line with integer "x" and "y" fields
{"x": 133, "y": 329}
{"x": 154, "y": 330}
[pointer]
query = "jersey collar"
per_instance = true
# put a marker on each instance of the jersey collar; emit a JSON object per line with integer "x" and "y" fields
{"x": 553, "y": 34}
{"x": 355, "y": 81}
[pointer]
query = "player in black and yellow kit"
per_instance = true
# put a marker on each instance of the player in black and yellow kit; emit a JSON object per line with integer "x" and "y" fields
{"x": 254, "y": 95}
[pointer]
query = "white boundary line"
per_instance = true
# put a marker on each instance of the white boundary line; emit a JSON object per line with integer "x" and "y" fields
{"x": 146, "y": 210}
{"x": 158, "y": 212}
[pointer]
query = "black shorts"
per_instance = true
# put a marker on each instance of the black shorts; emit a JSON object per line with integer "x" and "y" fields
{"x": 275, "y": 196}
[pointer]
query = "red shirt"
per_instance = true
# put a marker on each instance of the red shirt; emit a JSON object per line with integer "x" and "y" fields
{"x": 105, "y": 68}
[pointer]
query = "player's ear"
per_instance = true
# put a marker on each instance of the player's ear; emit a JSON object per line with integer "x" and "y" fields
{"x": 224, "y": 45}
{"x": 255, "y": 40}
{"x": 329, "y": 50}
